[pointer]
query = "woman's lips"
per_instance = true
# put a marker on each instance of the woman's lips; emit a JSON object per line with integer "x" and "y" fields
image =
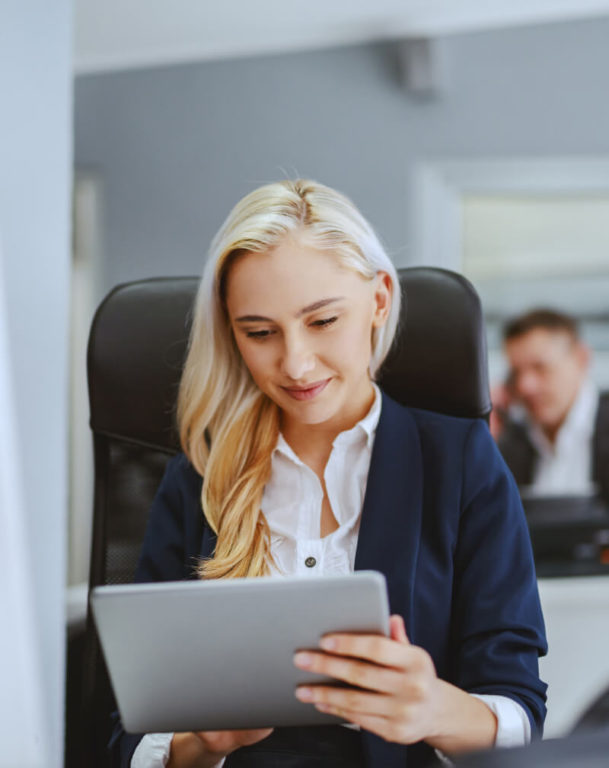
{"x": 306, "y": 393}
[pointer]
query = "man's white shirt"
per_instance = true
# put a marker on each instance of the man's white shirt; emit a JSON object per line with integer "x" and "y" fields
{"x": 565, "y": 466}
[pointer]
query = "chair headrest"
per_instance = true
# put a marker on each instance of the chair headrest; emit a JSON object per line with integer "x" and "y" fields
{"x": 438, "y": 361}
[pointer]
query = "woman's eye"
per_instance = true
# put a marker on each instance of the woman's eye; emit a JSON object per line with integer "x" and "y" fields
{"x": 324, "y": 323}
{"x": 258, "y": 334}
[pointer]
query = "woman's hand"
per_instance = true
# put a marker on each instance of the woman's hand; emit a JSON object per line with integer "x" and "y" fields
{"x": 205, "y": 749}
{"x": 400, "y": 697}
{"x": 398, "y": 694}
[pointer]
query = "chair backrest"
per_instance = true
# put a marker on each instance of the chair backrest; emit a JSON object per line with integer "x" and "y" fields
{"x": 136, "y": 350}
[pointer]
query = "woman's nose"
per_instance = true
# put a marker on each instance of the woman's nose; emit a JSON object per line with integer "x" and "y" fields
{"x": 298, "y": 359}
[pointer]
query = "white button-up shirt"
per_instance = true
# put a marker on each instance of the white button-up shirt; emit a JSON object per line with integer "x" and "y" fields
{"x": 292, "y": 504}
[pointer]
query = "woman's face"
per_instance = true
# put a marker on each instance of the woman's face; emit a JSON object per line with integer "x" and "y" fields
{"x": 303, "y": 325}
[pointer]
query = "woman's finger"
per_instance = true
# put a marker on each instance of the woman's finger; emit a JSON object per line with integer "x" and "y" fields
{"x": 375, "y": 648}
{"x": 357, "y": 673}
{"x": 386, "y": 716}
{"x": 349, "y": 700}
{"x": 397, "y": 629}
{"x": 227, "y": 741}
{"x": 387, "y": 729}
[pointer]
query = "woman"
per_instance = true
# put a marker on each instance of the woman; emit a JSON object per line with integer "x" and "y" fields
{"x": 309, "y": 468}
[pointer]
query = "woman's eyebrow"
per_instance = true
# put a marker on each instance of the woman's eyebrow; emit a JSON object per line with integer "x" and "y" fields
{"x": 305, "y": 310}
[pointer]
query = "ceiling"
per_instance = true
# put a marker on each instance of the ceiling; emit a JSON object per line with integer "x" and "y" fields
{"x": 122, "y": 34}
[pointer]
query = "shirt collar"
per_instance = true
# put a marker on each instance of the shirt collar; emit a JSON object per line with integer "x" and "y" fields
{"x": 367, "y": 425}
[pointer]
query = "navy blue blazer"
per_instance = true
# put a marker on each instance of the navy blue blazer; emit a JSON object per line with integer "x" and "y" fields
{"x": 442, "y": 519}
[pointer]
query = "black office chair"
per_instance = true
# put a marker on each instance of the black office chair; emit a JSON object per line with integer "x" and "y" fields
{"x": 584, "y": 750}
{"x": 136, "y": 350}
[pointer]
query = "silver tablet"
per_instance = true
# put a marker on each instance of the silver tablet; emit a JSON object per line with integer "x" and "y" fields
{"x": 216, "y": 655}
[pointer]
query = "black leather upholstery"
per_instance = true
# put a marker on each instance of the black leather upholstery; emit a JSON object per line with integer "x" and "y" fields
{"x": 136, "y": 350}
{"x": 439, "y": 360}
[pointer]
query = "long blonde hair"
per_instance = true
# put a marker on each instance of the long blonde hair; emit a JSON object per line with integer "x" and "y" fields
{"x": 228, "y": 427}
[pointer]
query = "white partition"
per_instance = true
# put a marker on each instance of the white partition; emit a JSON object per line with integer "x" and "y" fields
{"x": 35, "y": 204}
{"x": 24, "y": 740}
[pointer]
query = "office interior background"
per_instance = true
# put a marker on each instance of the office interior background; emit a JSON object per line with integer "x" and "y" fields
{"x": 475, "y": 139}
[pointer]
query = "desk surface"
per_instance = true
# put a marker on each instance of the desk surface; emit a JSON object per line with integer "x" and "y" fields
{"x": 576, "y": 612}
{"x": 573, "y": 568}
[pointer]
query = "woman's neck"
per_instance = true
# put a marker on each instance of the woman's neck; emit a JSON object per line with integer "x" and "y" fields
{"x": 312, "y": 443}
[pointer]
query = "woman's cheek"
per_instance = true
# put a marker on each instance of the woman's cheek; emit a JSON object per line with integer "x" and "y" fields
{"x": 355, "y": 347}
{"x": 254, "y": 358}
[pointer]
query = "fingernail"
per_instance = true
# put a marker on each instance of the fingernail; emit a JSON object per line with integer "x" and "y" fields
{"x": 303, "y": 660}
{"x": 328, "y": 643}
{"x": 304, "y": 694}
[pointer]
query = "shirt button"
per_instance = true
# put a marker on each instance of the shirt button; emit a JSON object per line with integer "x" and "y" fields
{"x": 310, "y": 562}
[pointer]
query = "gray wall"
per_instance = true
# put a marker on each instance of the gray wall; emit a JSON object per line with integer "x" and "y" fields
{"x": 35, "y": 185}
{"x": 177, "y": 146}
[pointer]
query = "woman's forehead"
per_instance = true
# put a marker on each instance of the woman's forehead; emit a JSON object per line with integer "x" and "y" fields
{"x": 291, "y": 274}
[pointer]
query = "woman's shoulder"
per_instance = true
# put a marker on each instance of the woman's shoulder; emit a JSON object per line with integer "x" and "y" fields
{"x": 174, "y": 530}
{"x": 432, "y": 423}
{"x": 180, "y": 475}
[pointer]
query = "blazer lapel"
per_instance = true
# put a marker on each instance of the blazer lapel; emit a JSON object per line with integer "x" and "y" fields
{"x": 389, "y": 534}
{"x": 391, "y": 516}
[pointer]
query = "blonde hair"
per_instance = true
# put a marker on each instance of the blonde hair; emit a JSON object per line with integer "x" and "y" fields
{"x": 228, "y": 427}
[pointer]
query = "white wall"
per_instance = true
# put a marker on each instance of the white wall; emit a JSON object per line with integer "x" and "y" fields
{"x": 35, "y": 185}
{"x": 177, "y": 146}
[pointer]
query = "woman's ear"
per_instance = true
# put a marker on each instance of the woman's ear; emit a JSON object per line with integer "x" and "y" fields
{"x": 383, "y": 292}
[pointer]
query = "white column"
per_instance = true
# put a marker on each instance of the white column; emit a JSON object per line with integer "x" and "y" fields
{"x": 25, "y": 739}
{"x": 35, "y": 192}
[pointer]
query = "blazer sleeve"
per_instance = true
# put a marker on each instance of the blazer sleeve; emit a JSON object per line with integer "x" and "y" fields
{"x": 169, "y": 553}
{"x": 496, "y": 609}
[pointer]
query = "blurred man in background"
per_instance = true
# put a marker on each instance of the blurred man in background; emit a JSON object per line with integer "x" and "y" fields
{"x": 548, "y": 418}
